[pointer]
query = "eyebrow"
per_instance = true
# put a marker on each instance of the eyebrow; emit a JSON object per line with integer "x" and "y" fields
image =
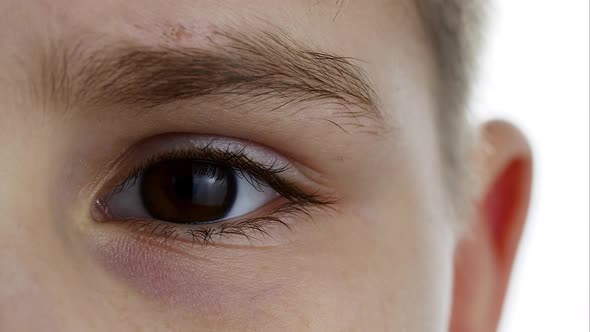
{"x": 259, "y": 67}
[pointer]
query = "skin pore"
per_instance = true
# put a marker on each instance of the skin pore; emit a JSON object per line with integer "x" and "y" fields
{"x": 338, "y": 100}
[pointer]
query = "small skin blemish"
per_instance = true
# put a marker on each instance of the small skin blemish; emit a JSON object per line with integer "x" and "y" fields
{"x": 176, "y": 33}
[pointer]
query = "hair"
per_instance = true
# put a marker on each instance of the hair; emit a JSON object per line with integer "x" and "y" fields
{"x": 456, "y": 29}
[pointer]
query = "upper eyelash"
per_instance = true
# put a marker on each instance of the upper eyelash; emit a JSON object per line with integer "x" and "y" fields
{"x": 257, "y": 175}
{"x": 234, "y": 159}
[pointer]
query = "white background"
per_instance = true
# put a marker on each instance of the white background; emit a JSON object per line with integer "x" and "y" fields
{"x": 536, "y": 75}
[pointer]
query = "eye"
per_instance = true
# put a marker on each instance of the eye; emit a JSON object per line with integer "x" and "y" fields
{"x": 189, "y": 191}
{"x": 205, "y": 189}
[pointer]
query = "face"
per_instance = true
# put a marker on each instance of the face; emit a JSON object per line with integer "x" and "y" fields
{"x": 221, "y": 165}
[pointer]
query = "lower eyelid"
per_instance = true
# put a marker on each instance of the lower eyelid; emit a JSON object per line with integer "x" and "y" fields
{"x": 259, "y": 231}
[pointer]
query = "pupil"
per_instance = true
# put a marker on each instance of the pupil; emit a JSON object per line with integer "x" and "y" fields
{"x": 188, "y": 191}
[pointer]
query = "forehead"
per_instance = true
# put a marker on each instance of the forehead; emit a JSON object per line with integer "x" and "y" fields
{"x": 188, "y": 21}
{"x": 101, "y": 15}
{"x": 385, "y": 36}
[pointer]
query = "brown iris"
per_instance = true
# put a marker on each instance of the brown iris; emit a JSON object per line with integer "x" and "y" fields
{"x": 188, "y": 191}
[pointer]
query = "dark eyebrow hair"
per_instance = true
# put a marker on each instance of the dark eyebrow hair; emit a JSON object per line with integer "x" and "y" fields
{"x": 254, "y": 67}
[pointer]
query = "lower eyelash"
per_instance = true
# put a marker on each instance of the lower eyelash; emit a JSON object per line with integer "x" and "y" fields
{"x": 253, "y": 229}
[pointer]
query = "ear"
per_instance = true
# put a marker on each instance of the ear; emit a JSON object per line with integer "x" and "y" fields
{"x": 484, "y": 255}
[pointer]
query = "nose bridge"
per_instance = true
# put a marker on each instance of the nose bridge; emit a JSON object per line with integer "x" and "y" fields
{"x": 29, "y": 245}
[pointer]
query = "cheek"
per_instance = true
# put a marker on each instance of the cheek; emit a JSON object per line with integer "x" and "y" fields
{"x": 346, "y": 272}
{"x": 404, "y": 233}
{"x": 236, "y": 290}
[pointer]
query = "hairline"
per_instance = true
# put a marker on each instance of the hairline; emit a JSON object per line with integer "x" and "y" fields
{"x": 456, "y": 29}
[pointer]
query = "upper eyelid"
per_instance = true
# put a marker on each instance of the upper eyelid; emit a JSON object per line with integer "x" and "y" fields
{"x": 131, "y": 159}
{"x": 232, "y": 159}
{"x": 187, "y": 141}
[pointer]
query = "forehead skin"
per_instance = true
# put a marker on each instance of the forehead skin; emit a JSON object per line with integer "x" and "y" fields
{"x": 382, "y": 261}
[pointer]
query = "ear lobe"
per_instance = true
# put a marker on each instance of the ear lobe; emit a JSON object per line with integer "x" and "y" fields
{"x": 484, "y": 257}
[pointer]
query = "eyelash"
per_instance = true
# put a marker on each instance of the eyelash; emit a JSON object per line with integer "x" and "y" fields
{"x": 298, "y": 204}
